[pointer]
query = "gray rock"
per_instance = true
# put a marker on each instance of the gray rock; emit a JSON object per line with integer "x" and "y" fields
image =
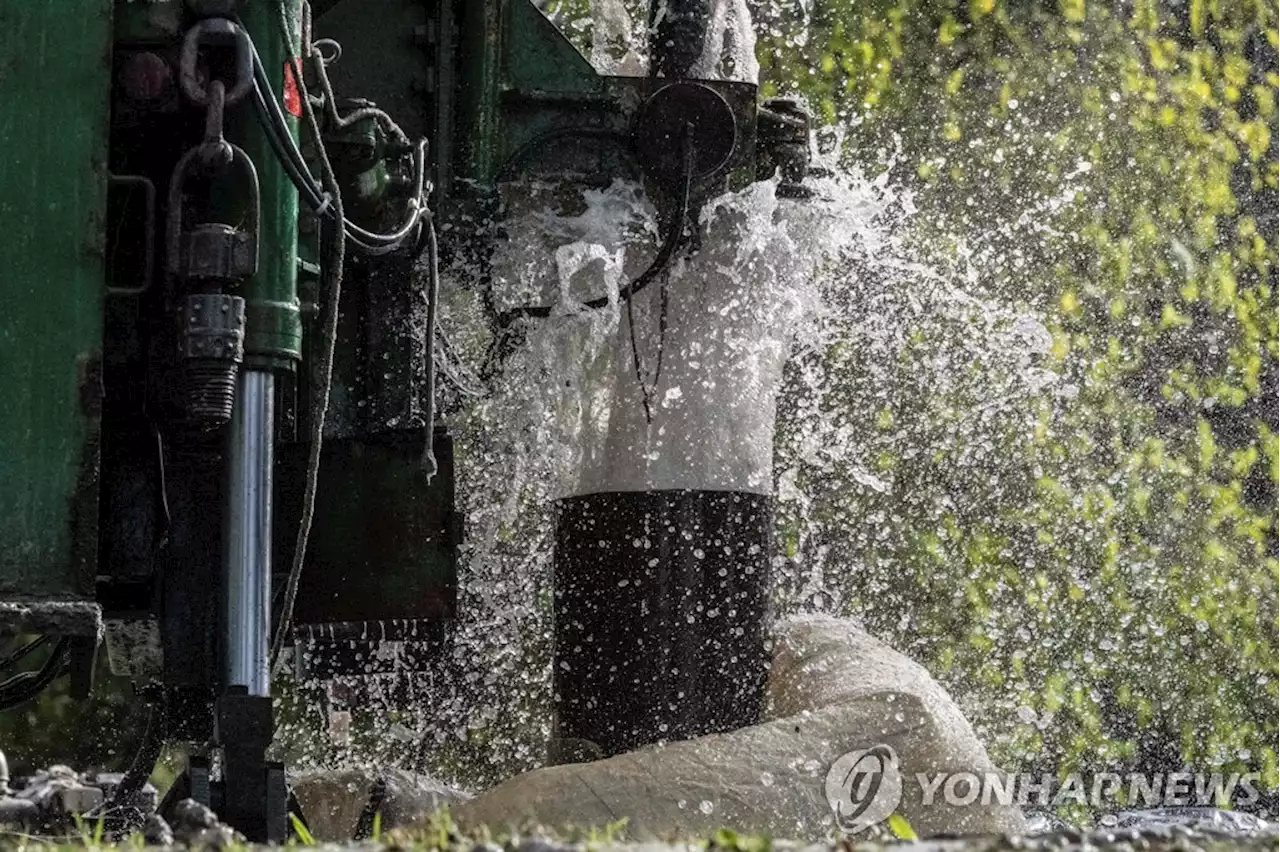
{"x": 833, "y": 690}
{"x": 197, "y": 826}
{"x": 1042, "y": 822}
{"x": 1195, "y": 818}
{"x": 156, "y": 831}
{"x": 60, "y": 791}
{"x": 332, "y": 801}
{"x": 145, "y": 799}
{"x": 189, "y": 814}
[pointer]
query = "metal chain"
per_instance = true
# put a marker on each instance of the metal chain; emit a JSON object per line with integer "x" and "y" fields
{"x": 215, "y": 152}
{"x": 215, "y": 31}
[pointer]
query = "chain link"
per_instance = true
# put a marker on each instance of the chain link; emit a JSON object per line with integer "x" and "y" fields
{"x": 215, "y": 31}
{"x": 214, "y": 158}
{"x": 215, "y": 152}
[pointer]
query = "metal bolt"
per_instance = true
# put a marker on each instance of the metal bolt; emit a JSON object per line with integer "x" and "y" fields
{"x": 146, "y": 78}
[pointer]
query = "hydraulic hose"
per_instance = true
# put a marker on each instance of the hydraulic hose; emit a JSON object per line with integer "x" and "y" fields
{"x": 276, "y": 128}
{"x": 21, "y": 688}
{"x": 144, "y": 763}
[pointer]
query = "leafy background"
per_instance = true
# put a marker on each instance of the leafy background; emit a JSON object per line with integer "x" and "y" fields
{"x": 1096, "y": 580}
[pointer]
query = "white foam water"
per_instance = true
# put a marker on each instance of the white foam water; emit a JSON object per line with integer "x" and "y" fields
{"x": 776, "y": 297}
{"x": 766, "y": 311}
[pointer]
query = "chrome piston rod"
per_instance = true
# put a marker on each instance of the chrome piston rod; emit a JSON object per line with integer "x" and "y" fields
{"x": 247, "y": 572}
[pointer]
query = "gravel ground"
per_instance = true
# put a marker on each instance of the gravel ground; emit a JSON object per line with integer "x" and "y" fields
{"x": 1172, "y": 838}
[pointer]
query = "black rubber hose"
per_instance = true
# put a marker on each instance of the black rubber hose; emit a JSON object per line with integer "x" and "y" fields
{"x": 275, "y": 126}
{"x": 144, "y": 763}
{"x": 21, "y": 688}
{"x": 429, "y": 463}
{"x": 332, "y": 266}
{"x": 22, "y": 652}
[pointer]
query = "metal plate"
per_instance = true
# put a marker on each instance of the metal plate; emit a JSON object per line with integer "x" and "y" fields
{"x": 53, "y": 190}
{"x": 666, "y": 117}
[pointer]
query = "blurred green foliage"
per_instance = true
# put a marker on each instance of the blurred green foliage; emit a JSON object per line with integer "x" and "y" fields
{"x": 1098, "y": 582}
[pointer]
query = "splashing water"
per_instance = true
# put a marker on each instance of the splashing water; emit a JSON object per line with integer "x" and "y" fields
{"x": 617, "y": 42}
{"x": 617, "y": 38}
{"x": 730, "y": 51}
{"x": 777, "y": 297}
{"x": 785, "y": 308}
{"x": 567, "y": 416}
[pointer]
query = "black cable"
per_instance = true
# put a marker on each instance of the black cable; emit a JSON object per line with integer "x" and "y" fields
{"x": 140, "y": 769}
{"x": 660, "y": 262}
{"x": 433, "y": 298}
{"x": 368, "y": 814}
{"x": 162, "y": 492}
{"x": 275, "y": 127}
{"x": 336, "y": 255}
{"x": 301, "y": 180}
{"x": 647, "y": 392}
{"x": 367, "y": 111}
{"x": 22, "y": 652}
{"x": 23, "y": 687}
{"x": 299, "y": 173}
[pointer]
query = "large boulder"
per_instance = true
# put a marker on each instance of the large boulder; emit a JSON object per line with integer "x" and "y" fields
{"x": 821, "y": 662}
{"x": 834, "y": 691}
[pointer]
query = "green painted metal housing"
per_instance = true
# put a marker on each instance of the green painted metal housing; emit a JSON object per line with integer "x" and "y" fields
{"x": 502, "y": 95}
{"x": 273, "y": 336}
{"x": 54, "y": 79}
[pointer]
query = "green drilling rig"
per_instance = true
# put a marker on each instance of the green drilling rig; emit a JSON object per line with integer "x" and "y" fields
{"x": 222, "y": 438}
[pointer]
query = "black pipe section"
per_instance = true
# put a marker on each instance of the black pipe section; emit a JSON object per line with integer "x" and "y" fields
{"x": 661, "y": 605}
{"x": 678, "y": 31}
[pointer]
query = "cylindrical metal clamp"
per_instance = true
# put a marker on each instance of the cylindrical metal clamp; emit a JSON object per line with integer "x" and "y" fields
{"x": 248, "y": 265}
{"x": 211, "y": 343}
{"x": 213, "y": 327}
